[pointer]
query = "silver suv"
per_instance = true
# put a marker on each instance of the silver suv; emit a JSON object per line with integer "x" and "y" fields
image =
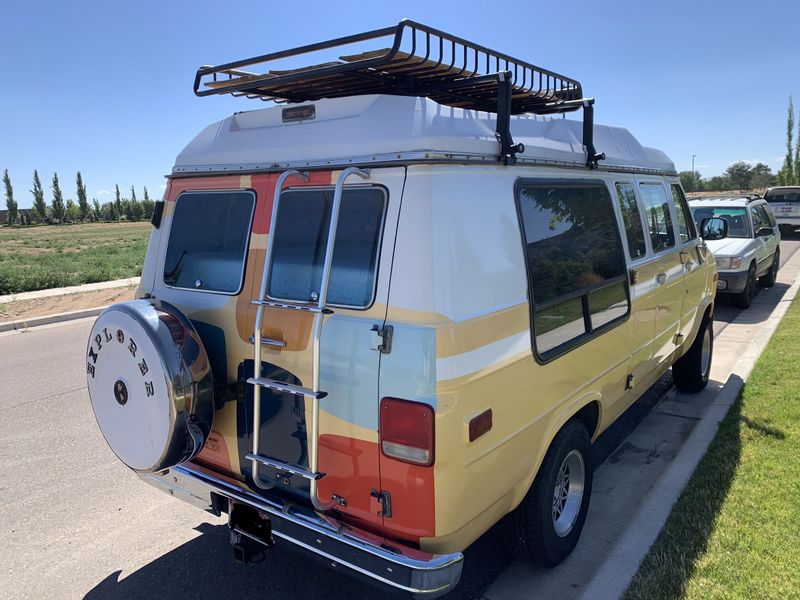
{"x": 751, "y": 252}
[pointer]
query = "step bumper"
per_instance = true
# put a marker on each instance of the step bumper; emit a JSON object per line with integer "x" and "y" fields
{"x": 383, "y": 563}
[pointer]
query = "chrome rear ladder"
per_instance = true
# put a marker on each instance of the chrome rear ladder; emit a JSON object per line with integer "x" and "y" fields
{"x": 319, "y": 309}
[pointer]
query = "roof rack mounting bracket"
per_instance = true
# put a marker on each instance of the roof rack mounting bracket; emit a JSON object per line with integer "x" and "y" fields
{"x": 592, "y": 156}
{"x": 508, "y": 149}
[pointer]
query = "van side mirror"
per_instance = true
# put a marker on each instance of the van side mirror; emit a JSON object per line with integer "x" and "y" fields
{"x": 714, "y": 228}
{"x": 765, "y": 231}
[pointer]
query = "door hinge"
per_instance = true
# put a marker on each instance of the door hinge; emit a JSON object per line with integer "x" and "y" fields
{"x": 678, "y": 339}
{"x": 381, "y": 338}
{"x": 385, "y": 499}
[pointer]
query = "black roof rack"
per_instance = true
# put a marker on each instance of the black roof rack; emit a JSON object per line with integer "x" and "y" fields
{"x": 422, "y": 61}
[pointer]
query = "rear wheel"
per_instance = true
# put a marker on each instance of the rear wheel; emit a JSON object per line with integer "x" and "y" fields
{"x": 768, "y": 280}
{"x": 745, "y": 297}
{"x": 691, "y": 371}
{"x": 547, "y": 524}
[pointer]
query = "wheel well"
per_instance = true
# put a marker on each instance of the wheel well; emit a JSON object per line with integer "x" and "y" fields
{"x": 589, "y": 415}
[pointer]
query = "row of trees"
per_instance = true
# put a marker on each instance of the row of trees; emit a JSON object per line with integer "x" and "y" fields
{"x": 738, "y": 176}
{"x": 69, "y": 211}
{"x": 790, "y": 172}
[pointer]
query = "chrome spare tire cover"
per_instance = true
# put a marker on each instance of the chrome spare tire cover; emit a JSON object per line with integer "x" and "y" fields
{"x": 150, "y": 384}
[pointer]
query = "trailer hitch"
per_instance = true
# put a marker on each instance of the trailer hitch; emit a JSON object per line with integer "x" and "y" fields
{"x": 250, "y": 533}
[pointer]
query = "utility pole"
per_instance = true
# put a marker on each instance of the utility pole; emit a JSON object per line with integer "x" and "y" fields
{"x": 693, "y": 157}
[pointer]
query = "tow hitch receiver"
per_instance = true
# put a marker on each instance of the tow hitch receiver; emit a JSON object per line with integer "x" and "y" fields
{"x": 251, "y": 533}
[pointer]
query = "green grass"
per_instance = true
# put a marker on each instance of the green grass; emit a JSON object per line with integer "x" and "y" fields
{"x": 735, "y": 531}
{"x": 38, "y": 258}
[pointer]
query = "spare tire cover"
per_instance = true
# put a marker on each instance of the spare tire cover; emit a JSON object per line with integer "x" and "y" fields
{"x": 150, "y": 384}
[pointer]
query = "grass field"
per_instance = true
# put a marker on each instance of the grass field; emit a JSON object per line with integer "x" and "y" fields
{"x": 37, "y": 258}
{"x": 734, "y": 531}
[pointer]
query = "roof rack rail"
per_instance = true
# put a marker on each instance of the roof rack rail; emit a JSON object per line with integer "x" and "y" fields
{"x": 421, "y": 61}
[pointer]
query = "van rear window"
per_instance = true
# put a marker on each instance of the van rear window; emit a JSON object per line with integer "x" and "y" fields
{"x": 208, "y": 240}
{"x": 576, "y": 265}
{"x": 301, "y": 234}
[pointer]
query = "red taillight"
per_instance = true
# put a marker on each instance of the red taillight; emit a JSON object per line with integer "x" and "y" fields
{"x": 407, "y": 431}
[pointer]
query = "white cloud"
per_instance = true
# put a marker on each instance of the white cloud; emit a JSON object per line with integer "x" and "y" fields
{"x": 103, "y": 192}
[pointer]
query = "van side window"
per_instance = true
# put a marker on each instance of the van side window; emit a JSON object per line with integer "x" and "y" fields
{"x": 208, "y": 241}
{"x": 301, "y": 234}
{"x": 631, "y": 219}
{"x": 659, "y": 219}
{"x": 576, "y": 266}
{"x": 686, "y": 228}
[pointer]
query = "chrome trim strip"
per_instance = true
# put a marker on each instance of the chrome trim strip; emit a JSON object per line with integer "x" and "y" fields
{"x": 441, "y": 571}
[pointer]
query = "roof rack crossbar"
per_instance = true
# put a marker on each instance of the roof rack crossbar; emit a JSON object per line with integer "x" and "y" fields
{"x": 421, "y": 61}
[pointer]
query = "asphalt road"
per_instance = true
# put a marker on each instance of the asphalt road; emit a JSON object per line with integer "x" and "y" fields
{"x": 76, "y": 523}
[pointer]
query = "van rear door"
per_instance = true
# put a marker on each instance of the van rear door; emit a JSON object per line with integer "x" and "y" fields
{"x": 362, "y": 257}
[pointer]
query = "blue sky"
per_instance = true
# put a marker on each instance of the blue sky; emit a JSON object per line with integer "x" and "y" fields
{"x": 106, "y": 87}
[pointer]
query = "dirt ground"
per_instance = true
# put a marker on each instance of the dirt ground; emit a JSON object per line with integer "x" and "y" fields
{"x": 39, "y": 307}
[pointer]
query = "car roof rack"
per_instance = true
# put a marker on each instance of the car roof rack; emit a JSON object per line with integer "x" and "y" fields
{"x": 421, "y": 61}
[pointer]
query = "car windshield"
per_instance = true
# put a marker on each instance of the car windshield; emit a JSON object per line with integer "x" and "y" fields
{"x": 734, "y": 215}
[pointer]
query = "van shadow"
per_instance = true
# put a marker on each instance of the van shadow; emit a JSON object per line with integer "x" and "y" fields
{"x": 673, "y": 558}
{"x": 204, "y": 568}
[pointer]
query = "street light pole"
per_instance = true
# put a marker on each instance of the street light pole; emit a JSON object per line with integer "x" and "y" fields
{"x": 693, "y": 157}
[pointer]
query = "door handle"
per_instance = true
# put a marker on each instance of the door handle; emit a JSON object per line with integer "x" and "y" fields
{"x": 661, "y": 278}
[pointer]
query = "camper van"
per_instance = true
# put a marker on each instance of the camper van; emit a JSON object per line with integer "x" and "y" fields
{"x": 397, "y": 306}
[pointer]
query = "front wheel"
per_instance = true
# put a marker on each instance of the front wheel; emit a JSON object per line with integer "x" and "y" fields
{"x": 545, "y": 527}
{"x": 769, "y": 279}
{"x": 691, "y": 371}
{"x": 745, "y": 297}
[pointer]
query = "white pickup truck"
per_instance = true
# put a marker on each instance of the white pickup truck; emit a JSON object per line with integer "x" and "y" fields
{"x": 785, "y": 203}
{"x": 751, "y": 253}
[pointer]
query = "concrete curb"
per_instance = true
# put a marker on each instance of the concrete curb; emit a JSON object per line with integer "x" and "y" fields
{"x": 622, "y": 564}
{"x": 75, "y": 289}
{"x": 23, "y": 324}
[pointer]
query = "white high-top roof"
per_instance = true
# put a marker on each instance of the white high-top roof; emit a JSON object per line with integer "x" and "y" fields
{"x": 381, "y": 128}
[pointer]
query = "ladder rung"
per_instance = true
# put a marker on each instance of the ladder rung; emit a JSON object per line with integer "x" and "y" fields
{"x": 286, "y": 387}
{"x": 282, "y": 466}
{"x": 312, "y": 308}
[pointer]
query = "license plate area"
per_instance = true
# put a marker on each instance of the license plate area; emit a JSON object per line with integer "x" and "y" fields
{"x": 250, "y": 533}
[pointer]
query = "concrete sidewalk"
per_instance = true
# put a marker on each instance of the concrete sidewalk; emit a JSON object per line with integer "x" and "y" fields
{"x": 636, "y": 487}
{"x": 75, "y": 289}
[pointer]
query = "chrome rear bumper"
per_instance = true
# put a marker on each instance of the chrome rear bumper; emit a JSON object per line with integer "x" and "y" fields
{"x": 380, "y": 561}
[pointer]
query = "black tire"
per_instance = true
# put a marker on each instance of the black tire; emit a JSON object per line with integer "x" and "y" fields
{"x": 530, "y": 528}
{"x": 745, "y": 297}
{"x": 771, "y": 276}
{"x": 691, "y": 371}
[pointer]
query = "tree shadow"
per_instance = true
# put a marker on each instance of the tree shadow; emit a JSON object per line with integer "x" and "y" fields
{"x": 672, "y": 560}
{"x": 204, "y": 568}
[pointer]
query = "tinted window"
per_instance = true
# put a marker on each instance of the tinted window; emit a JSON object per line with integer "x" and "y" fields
{"x": 575, "y": 262}
{"x": 764, "y": 216}
{"x": 659, "y": 219}
{"x": 208, "y": 240}
{"x": 685, "y": 225}
{"x": 783, "y": 195}
{"x": 301, "y": 235}
{"x": 758, "y": 220}
{"x": 632, "y": 219}
{"x": 770, "y": 216}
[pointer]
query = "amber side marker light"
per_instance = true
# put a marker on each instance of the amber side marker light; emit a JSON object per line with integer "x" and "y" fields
{"x": 407, "y": 431}
{"x": 480, "y": 425}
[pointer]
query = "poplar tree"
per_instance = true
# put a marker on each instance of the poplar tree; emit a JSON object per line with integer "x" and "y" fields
{"x": 11, "y": 204}
{"x": 117, "y": 203}
{"x": 97, "y": 213}
{"x": 57, "y": 208}
{"x": 83, "y": 202}
{"x": 786, "y": 176}
{"x": 39, "y": 204}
